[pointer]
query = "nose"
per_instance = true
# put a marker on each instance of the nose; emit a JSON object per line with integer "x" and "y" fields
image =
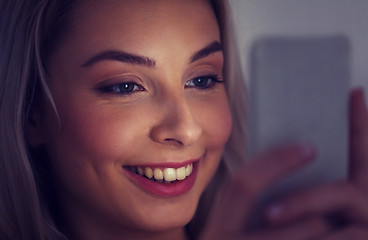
{"x": 177, "y": 124}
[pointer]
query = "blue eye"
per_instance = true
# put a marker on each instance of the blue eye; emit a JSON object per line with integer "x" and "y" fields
{"x": 203, "y": 82}
{"x": 123, "y": 88}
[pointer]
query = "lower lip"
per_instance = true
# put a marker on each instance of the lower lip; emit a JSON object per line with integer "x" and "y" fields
{"x": 164, "y": 189}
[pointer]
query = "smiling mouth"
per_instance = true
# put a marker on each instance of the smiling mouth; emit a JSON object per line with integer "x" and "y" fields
{"x": 163, "y": 175}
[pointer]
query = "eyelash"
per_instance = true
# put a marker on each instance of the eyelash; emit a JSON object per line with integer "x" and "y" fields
{"x": 128, "y": 88}
{"x": 124, "y": 88}
{"x": 206, "y": 82}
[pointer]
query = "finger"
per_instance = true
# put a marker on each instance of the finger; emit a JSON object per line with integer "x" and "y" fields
{"x": 273, "y": 165}
{"x": 353, "y": 233}
{"x": 303, "y": 230}
{"x": 247, "y": 185}
{"x": 344, "y": 198}
{"x": 307, "y": 229}
{"x": 359, "y": 139}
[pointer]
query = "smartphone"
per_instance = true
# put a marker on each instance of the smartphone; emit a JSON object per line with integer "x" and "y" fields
{"x": 298, "y": 93}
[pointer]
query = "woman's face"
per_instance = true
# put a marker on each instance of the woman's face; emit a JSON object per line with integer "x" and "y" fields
{"x": 138, "y": 86}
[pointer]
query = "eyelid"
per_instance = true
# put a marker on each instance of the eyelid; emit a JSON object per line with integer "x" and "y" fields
{"x": 120, "y": 79}
{"x": 204, "y": 69}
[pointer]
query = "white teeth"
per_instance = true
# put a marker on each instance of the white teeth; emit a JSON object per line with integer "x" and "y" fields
{"x": 148, "y": 172}
{"x": 169, "y": 174}
{"x": 166, "y": 175}
{"x": 158, "y": 174}
{"x": 180, "y": 173}
{"x": 188, "y": 170}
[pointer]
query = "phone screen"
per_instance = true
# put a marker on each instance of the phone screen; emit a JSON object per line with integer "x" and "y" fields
{"x": 299, "y": 91}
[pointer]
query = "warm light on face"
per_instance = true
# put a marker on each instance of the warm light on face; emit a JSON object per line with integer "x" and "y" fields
{"x": 141, "y": 98}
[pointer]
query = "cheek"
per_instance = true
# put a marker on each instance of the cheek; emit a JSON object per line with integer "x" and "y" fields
{"x": 98, "y": 133}
{"x": 215, "y": 118}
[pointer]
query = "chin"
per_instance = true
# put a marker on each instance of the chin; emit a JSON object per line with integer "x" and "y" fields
{"x": 168, "y": 216}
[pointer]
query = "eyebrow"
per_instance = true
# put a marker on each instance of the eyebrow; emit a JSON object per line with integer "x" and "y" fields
{"x": 211, "y": 48}
{"x": 122, "y": 56}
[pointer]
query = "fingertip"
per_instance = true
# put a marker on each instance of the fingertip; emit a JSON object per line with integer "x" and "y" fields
{"x": 358, "y": 96}
{"x": 358, "y": 109}
{"x": 307, "y": 150}
{"x": 358, "y": 90}
{"x": 295, "y": 152}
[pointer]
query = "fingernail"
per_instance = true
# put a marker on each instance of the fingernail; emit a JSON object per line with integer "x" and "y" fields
{"x": 359, "y": 90}
{"x": 307, "y": 150}
{"x": 275, "y": 212}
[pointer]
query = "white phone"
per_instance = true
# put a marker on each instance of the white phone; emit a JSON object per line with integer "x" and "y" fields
{"x": 299, "y": 91}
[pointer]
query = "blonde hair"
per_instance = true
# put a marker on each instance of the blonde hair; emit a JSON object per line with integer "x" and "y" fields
{"x": 29, "y": 31}
{"x": 235, "y": 151}
{"x": 25, "y": 27}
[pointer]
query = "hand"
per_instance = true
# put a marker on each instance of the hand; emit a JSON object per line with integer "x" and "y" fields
{"x": 301, "y": 216}
{"x": 348, "y": 200}
{"x": 230, "y": 219}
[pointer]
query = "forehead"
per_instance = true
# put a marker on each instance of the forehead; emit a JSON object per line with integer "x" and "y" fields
{"x": 132, "y": 18}
{"x": 140, "y": 25}
{"x": 168, "y": 31}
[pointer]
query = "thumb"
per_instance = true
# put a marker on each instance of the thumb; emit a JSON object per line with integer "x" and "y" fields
{"x": 359, "y": 139}
{"x": 230, "y": 218}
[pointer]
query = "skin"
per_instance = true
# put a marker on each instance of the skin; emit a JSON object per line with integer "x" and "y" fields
{"x": 166, "y": 120}
{"x": 100, "y": 133}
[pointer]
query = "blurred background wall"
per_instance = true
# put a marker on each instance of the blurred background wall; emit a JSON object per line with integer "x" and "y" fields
{"x": 256, "y": 18}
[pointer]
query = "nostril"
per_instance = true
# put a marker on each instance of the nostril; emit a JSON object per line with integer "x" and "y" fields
{"x": 177, "y": 125}
{"x": 175, "y": 135}
{"x": 173, "y": 141}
